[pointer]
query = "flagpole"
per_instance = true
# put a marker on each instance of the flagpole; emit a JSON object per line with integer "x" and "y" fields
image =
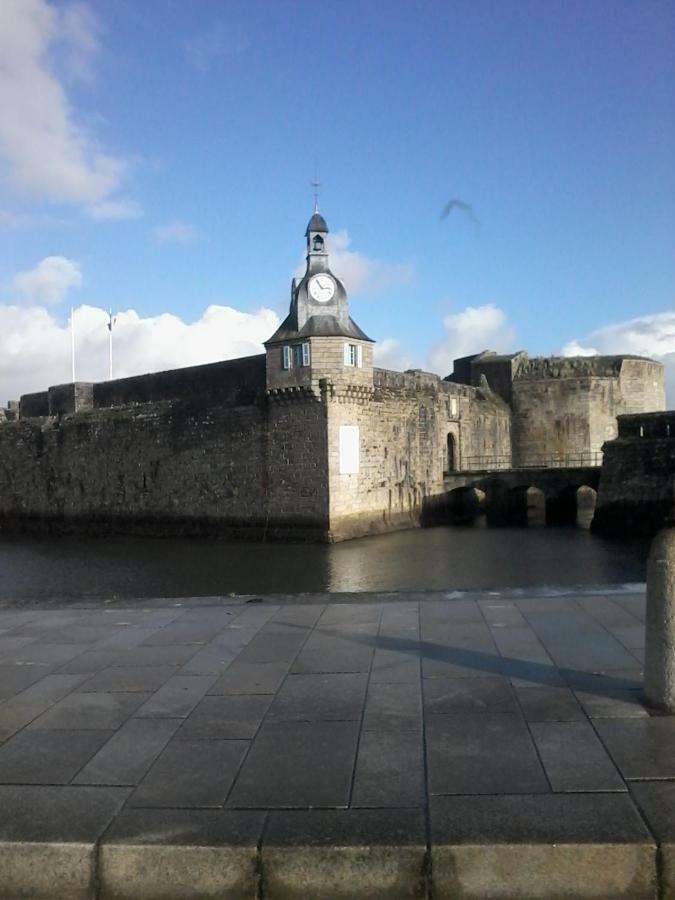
{"x": 72, "y": 342}
{"x": 110, "y": 349}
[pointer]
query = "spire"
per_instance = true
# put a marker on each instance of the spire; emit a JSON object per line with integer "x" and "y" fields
{"x": 316, "y": 185}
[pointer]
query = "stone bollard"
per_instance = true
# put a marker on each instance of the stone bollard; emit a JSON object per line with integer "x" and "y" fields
{"x": 660, "y": 624}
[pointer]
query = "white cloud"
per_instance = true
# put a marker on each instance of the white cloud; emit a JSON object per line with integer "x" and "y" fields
{"x": 474, "y": 329}
{"x": 362, "y": 274}
{"x": 175, "y": 232}
{"x": 115, "y": 210}
{"x": 652, "y": 336}
{"x": 35, "y": 348}
{"x": 45, "y": 151}
{"x": 220, "y": 41}
{"x": 48, "y": 282}
{"x": 79, "y": 31}
{"x": 389, "y": 354}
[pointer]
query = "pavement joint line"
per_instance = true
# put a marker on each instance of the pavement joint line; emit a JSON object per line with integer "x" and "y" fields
{"x": 630, "y": 830}
{"x": 363, "y": 713}
{"x": 428, "y": 860}
{"x": 310, "y": 631}
{"x": 519, "y": 704}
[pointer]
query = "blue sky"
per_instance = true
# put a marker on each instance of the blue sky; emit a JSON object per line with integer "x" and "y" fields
{"x": 164, "y": 150}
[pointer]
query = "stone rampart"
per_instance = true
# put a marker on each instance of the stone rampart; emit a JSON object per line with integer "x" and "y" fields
{"x": 638, "y": 476}
{"x": 33, "y": 406}
{"x": 171, "y": 466}
{"x": 408, "y": 426}
{"x": 564, "y": 409}
{"x": 235, "y": 381}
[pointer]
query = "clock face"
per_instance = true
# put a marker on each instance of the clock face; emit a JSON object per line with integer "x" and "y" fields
{"x": 321, "y": 288}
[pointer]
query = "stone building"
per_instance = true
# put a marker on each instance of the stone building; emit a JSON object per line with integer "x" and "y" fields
{"x": 309, "y": 440}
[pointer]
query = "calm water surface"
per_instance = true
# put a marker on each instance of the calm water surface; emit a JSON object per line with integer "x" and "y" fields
{"x": 68, "y": 568}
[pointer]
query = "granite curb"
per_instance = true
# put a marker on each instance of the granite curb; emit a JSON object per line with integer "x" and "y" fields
{"x": 489, "y": 847}
{"x": 468, "y": 749}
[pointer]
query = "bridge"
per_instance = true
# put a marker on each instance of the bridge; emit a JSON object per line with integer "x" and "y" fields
{"x": 531, "y": 494}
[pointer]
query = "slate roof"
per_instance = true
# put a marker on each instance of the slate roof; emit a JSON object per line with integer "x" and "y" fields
{"x": 317, "y": 326}
{"x": 316, "y": 223}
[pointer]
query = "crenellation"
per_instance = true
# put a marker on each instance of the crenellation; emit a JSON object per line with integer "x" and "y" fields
{"x": 310, "y": 440}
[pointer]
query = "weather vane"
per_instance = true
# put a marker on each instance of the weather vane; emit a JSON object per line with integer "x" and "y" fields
{"x": 316, "y": 184}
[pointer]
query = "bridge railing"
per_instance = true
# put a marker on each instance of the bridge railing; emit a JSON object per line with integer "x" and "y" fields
{"x": 551, "y": 461}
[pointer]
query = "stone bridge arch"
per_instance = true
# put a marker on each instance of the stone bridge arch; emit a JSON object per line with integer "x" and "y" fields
{"x": 525, "y": 496}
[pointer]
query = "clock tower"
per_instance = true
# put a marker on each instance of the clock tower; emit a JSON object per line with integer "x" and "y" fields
{"x": 318, "y": 339}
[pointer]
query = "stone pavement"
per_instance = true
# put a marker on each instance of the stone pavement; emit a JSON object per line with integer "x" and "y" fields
{"x": 371, "y": 746}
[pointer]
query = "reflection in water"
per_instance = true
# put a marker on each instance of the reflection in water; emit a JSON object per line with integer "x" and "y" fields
{"x": 430, "y": 559}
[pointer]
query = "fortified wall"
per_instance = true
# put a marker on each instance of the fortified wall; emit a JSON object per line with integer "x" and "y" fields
{"x": 565, "y": 408}
{"x": 307, "y": 441}
{"x": 638, "y": 476}
{"x": 209, "y": 450}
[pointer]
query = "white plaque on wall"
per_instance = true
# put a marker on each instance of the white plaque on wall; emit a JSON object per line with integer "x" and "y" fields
{"x": 349, "y": 449}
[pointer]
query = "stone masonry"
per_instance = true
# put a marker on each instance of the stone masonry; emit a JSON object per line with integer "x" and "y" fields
{"x": 307, "y": 441}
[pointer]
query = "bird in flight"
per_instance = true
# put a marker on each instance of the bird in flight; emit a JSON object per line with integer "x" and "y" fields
{"x": 466, "y": 208}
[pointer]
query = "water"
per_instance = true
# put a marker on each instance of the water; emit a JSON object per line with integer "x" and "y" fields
{"x": 464, "y": 559}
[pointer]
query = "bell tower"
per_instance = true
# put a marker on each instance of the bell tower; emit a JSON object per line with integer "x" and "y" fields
{"x": 318, "y": 340}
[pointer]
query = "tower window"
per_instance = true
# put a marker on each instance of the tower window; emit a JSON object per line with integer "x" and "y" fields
{"x": 295, "y": 356}
{"x": 318, "y": 243}
{"x": 353, "y": 355}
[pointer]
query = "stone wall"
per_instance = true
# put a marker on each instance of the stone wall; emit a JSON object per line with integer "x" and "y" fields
{"x": 404, "y": 421}
{"x": 170, "y": 467}
{"x": 34, "y": 405}
{"x": 69, "y": 398}
{"x": 296, "y": 468}
{"x": 326, "y": 361}
{"x": 637, "y": 483}
{"x": 564, "y": 409}
{"x": 233, "y": 382}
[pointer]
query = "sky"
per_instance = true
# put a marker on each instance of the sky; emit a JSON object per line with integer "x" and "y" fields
{"x": 156, "y": 160}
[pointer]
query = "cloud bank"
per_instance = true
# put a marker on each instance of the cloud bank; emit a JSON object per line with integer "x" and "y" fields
{"x": 46, "y": 152}
{"x": 361, "y": 274}
{"x": 48, "y": 282}
{"x": 652, "y": 335}
{"x": 472, "y": 330}
{"x": 175, "y": 232}
{"x": 35, "y": 346}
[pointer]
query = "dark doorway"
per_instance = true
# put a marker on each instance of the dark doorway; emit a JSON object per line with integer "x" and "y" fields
{"x": 451, "y": 454}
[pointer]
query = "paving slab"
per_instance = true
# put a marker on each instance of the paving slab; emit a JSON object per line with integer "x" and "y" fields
{"x": 128, "y": 754}
{"x": 573, "y": 757}
{"x": 191, "y": 774}
{"x": 26, "y": 706}
{"x": 89, "y": 711}
{"x": 549, "y": 704}
{"x": 298, "y": 764}
{"x": 456, "y": 696}
{"x": 320, "y": 698}
{"x": 177, "y": 697}
{"x": 389, "y": 770}
{"x": 126, "y": 679}
{"x": 482, "y": 754}
{"x": 228, "y": 717}
{"x": 393, "y": 707}
{"x": 250, "y": 678}
{"x": 35, "y": 756}
{"x": 304, "y": 746}
{"x": 641, "y": 748}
